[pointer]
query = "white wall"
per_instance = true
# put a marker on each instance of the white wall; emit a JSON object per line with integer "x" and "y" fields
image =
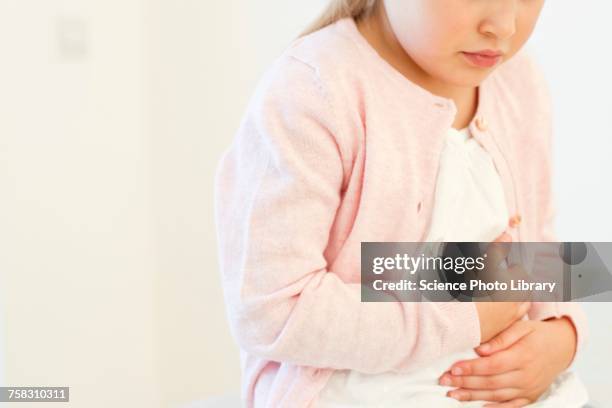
{"x": 572, "y": 47}
{"x": 76, "y": 238}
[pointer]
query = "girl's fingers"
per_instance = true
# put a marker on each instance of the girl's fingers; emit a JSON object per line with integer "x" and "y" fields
{"x": 499, "y": 395}
{"x": 498, "y": 363}
{"x": 513, "y": 222}
{"x": 507, "y": 337}
{"x": 488, "y": 382}
{"x": 496, "y": 252}
{"x": 516, "y": 403}
{"x": 504, "y": 237}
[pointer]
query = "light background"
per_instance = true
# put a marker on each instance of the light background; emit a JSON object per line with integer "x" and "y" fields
{"x": 113, "y": 115}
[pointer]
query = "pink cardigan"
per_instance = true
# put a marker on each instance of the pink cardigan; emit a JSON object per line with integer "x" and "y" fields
{"x": 337, "y": 148}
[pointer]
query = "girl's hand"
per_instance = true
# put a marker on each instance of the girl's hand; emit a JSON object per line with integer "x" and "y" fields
{"x": 517, "y": 366}
{"x": 495, "y": 317}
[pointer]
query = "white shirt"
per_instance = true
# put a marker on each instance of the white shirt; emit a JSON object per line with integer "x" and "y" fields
{"x": 469, "y": 206}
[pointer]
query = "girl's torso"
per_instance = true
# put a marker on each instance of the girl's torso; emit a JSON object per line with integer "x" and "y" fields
{"x": 469, "y": 206}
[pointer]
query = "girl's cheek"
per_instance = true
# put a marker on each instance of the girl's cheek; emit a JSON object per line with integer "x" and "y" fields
{"x": 428, "y": 30}
{"x": 408, "y": 21}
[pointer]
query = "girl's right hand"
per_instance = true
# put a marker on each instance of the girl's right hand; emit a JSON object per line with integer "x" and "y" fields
{"x": 497, "y": 316}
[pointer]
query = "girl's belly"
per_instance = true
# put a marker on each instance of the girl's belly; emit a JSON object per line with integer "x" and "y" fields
{"x": 420, "y": 388}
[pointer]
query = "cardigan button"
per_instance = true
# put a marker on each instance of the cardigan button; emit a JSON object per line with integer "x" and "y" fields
{"x": 481, "y": 123}
{"x": 515, "y": 221}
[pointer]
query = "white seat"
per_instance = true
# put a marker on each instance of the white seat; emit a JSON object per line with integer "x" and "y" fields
{"x": 224, "y": 401}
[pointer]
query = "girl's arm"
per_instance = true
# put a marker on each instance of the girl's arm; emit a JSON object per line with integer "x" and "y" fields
{"x": 277, "y": 192}
{"x": 547, "y": 233}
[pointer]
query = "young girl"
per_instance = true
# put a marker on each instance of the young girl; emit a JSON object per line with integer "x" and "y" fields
{"x": 392, "y": 120}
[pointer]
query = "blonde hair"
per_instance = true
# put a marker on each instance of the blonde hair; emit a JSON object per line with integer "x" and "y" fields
{"x": 339, "y": 9}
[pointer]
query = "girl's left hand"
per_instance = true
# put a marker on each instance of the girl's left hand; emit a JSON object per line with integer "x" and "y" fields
{"x": 516, "y": 366}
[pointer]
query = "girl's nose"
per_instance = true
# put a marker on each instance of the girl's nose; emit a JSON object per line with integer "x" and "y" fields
{"x": 500, "y": 22}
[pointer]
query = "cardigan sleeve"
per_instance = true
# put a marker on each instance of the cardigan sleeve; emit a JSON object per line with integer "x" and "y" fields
{"x": 548, "y": 211}
{"x": 277, "y": 190}
{"x": 549, "y": 310}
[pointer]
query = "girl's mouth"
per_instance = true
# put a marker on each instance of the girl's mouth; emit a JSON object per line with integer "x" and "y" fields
{"x": 482, "y": 60}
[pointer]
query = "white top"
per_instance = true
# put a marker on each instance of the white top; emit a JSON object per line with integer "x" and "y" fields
{"x": 469, "y": 206}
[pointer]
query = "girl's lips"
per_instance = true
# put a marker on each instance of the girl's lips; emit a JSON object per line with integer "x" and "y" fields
{"x": 481, "y": 60}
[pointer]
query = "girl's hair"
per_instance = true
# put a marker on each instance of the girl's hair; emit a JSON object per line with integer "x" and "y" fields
{"x": 339, "y": 9}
